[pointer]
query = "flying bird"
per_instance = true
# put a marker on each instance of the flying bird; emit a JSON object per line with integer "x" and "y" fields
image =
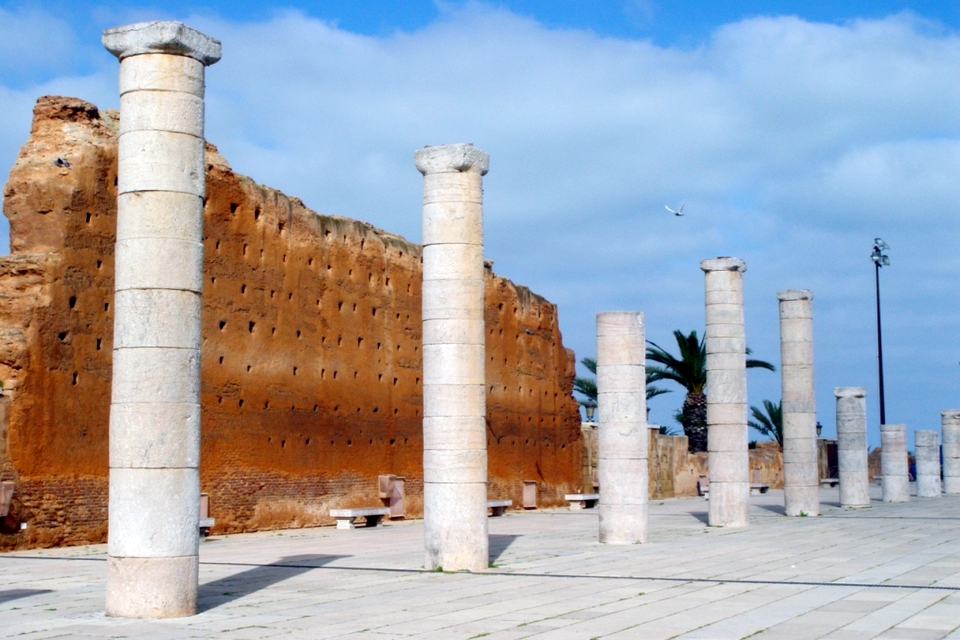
{"x": 678, "y": 212}
{"x": 60, "y": 162}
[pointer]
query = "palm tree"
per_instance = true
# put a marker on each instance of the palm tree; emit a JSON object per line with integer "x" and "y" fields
{"x": 771, "y": 423}
{"x": 588, "y": 386}
{"x": 690, "y": 372}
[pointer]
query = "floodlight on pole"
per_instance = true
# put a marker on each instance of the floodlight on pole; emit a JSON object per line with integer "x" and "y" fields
{"x": 880, "y": 259}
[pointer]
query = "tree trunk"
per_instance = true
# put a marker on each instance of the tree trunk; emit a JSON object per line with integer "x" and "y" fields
{"x": 694, "y": 420}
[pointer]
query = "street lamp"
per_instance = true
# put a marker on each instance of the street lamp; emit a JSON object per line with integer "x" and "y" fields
{"x": 590, "y": 406}
{"x": 880, "y": 259}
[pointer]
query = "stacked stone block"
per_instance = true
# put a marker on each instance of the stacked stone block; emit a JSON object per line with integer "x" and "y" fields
{"x": 928, "y": 463}
{"x": 155, "y": 411}
{"x": 801, "y": 484}
{"x": 454, "y": 400}
{"x": 622, "y": 433}
{"x": 852, "y": 446}
{"x": 950, "y": 426}
{"x": 894, "y": 464}
{"x": 725, "y": 343}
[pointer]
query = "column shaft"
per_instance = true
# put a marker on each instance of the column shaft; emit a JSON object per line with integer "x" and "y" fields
{"x": 454, "y": 400}
{"x": 801, "y": 482}
{"x": 852, "y": 446}
{"x": 928, "y": 463}
{"x": 725, "y": 343}
{"x": 622, "y": 432}
{"x": 894, "y": 465}
{"x": 950, "y": 426}
{"x": 154, "y": 502}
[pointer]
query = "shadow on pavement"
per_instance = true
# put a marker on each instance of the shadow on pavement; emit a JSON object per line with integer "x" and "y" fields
{"x": 775, "y": 508}
{"x": 16, "y": 594}
{"x": 498, "y": 544}
{"x": 702, "y": 516}
{"x": 257, "y": 577}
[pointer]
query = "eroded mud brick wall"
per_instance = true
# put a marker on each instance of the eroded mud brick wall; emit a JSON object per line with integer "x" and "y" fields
{"x": 311, "y": 352}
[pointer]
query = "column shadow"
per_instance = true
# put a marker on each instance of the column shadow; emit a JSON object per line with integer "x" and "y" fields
{"x": 775, "y": 508}
{"x": 498, "y": 544}
{"x": 702, "y": 516}
{"x": 258, "y": 577}
{"x": 16, "y": 594}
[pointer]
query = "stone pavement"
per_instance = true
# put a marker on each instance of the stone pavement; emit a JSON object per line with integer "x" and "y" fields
{"x": 890, "y": 571}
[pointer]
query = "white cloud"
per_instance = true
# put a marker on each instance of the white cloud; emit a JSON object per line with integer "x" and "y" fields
{"x": 792, "y": 143}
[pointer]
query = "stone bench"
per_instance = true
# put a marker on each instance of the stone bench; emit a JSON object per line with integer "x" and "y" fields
{"x": 498, "y": 507}
{"x": 829, "y": 481}
{"x": 346, "y": 517}
{"x": 582, "y": 500}
{"x": 703, "y": 487}
{"x": 759, "y": 488}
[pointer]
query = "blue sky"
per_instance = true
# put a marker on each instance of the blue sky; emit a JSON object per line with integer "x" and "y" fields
{"x": 795, "y": 133}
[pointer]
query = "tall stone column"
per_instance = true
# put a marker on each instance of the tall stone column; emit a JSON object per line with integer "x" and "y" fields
{"x": 801, "y": 484}
{"x": 852, "y": 446}
{"x": 726, "y": 347}
{"x": 894, "y": 465}
{"x": 950, "y": 426}
{"x": 454, "y": 400}
{"x": 155, "y": 412}
{"x": 622, "y": 434}
{"x": 928, "y": 463}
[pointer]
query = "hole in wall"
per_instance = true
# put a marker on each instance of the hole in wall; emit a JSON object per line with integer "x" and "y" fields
{"x": 294, "y": 371}
{"x": 395, "y": 382}
{"x": 248, "y": 368}
{"x": 379, "y": 376}
{"x": 243, "y": 288}
{"x": 223, "y": 323}
{"x": 99, "y": 263}
{"x": 98, "y": 344}
{"x": 290, "y": 296}
{"x": 396, "y": 411}
{"x": 221, "y": 359}
{"x": 233, "y": 207}
{"x": 309, "y": 262}
{"x": 88, "y": 217}
{"x": 339, "y": 340}
{"x": 334, "y": 377}
{"x": 252, "y": 325}
{"x": 373, "y": 311}
{"x": 273, "y": 331}
{"x": 298, "y": 333}
{"x": 240, "y": 404}
{"x": 359, "y": 341}
{"x": 266, "y": 404}
{"x": 256, "y": 213}
{"x": 75, "y": 378}
{"x": 386, "y": 282}
{"x": 72, "y": 302}
{"x": 62, "y": 336}
{"x": 354, "y": 306}
{"x": 244, "y": 249}
{"x": 213, "y": 280}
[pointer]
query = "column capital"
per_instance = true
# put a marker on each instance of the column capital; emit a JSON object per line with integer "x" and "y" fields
{"x": 174, "y": 38}
{"x": 850, "y": 392}
{"x": 723, "y": 263}
{"x": 794, "y": 294}
{"x": 950, "y": 414}
{"x": 452, "y": 158}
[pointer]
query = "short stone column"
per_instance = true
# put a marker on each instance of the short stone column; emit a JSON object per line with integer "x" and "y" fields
{"x": 454, "y": 401}
{"x": 894, "y": 465}
{"x": 154, "y": 504}
{"x": 726, "y": 347}
{"x": 801, "y": 484}
{"x": 950, "y": 426}
{"x": 852, "y": 446}
{"x": 622, "y": 433}
{"x": 927, "y": 453}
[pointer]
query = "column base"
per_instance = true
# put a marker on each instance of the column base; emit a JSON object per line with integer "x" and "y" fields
{"x": 802, "y": 501}
{"x": 455, "y": 526}
{"x": 623, "y": 523}
{"x": 152, "y": 587}
{"x": 729, "y": 504}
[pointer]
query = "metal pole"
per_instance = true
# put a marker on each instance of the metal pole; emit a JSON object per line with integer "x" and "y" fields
{"x": 883, "y": 414}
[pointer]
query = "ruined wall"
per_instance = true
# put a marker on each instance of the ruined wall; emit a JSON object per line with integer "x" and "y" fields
{"x": 311, "y": 359}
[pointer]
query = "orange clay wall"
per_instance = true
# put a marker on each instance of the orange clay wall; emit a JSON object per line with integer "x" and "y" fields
{"x": 311, "y": 370}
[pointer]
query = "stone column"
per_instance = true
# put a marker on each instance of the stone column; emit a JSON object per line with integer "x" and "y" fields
{"x": 801, "y": 482}
{"x": 454, "y": 401}
{"x": 622, "y": 435}
{"x": 852, "y": 446}
{"x": 154, "y": 505}
{"x": 928, "y": 463}
{"x": 894, "y": 465}
{"x": 726, "y": 347}
{"x": 950, "y": 425}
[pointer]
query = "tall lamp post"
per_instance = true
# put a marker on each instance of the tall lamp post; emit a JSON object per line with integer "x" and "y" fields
{"x": 880, "y": 259}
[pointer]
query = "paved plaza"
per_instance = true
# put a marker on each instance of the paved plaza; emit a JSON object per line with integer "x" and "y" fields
{"x": 890, "y": 571}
